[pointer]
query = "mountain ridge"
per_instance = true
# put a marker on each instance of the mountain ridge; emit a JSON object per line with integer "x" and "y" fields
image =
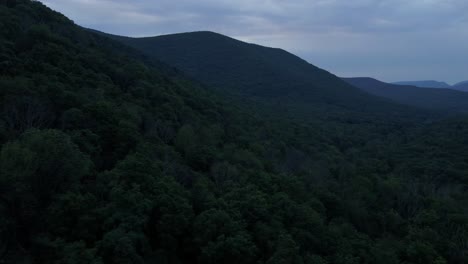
{"x": 424, "y": 84}
{"x": 259, "y": 73}
{"x": 461, "y": 86}
{"x": 429, "y": 98}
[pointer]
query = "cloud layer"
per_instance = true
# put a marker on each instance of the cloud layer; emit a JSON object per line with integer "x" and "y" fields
{"x": 387, "y": 39}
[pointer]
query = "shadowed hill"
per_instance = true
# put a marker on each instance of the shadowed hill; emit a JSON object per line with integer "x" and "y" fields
{"x": 425, "y": 84}
{"x": 429, "y": 98}
{"x": 461, "y": 86}
{"x": 257, "y": 72}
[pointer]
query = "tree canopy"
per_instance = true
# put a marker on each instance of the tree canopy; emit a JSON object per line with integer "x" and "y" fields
{"x": 108, "y": 156}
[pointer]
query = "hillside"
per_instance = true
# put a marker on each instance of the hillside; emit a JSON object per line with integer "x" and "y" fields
{"x": 461, "y": 86}
{"x": 428, "y": 98}
{"x": 107, "y": 156}
{"x": 261, "y": 73}
{"x": 461, "y": 83}
{"x": 425, "y": 84}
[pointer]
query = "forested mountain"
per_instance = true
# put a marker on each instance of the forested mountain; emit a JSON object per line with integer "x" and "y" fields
{"x": 261, "y": 73}
{"x": 425, "y": 84}
{"x": 428, "y": 98}
{"x": 108, "y": 156}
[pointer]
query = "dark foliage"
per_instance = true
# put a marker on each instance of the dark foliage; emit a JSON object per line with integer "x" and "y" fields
{"x": 110, "y": 157}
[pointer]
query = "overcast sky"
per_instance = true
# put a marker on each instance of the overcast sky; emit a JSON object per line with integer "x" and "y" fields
{"x": 392, "y": 40}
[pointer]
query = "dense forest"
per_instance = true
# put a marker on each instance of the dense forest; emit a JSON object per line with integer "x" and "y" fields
{"x": 109, "y": 156}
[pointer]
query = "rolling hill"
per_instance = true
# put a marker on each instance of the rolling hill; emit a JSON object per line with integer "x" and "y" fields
{"x": 461, "y": 83}
{"x": 461, "y": 86}
{"x": 425, "y": 84}
{"x": 260, "y": 73}
{"x": 428, "y": 98}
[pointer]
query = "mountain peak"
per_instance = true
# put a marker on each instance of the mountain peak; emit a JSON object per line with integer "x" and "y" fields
{"x": 194, "y": 33}
{"x": 203, "y": 34}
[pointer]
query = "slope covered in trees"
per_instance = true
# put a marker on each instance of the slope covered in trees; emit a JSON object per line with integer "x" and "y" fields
{"x": 429, "y": 98}
{"x": 262, "y": 74}
{"x": 110, "y": 157}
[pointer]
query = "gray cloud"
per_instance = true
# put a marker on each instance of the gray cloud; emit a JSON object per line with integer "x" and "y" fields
{"x": 388, "y": 39}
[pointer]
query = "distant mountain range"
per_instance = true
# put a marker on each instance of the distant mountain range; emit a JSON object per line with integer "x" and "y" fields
{"x": 461, "y": 86}
{"x": 425, "y": 84}
{"x": 429, "y": 98}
